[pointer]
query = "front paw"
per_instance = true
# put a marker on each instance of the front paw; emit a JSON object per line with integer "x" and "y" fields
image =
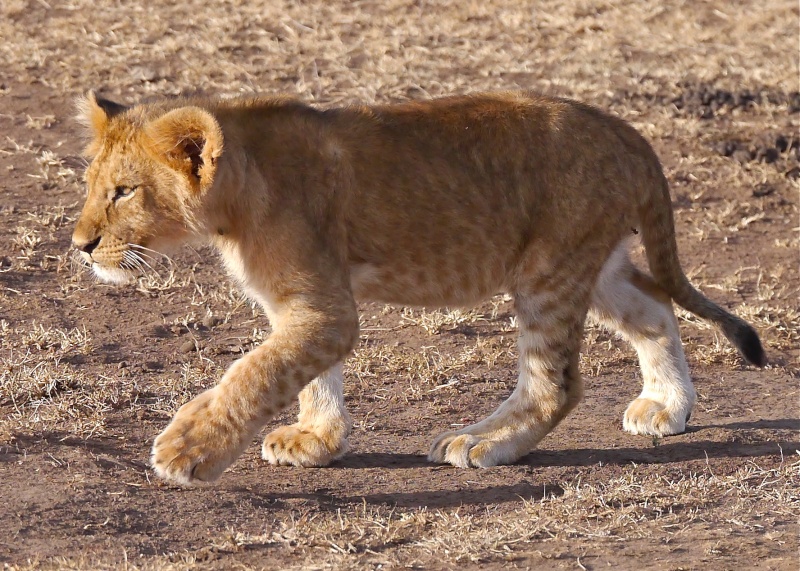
{"x": 296, "y": 446}
{"x": 202, "y": 440}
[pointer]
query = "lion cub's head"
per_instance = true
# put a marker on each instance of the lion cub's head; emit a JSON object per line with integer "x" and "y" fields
{"x": 151, "y": 165}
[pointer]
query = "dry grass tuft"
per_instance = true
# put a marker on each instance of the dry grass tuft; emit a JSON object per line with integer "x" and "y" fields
{"x": 43, "y": 388}
{"x": 370, "y": 51}
{"x": 623, "y": 511}
{"x": 632, "y": 506}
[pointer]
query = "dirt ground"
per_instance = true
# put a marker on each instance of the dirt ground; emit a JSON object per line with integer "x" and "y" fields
{"x": 90, "y": 374}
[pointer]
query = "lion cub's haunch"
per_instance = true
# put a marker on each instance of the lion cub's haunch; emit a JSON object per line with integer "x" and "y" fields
{"x": 432, "y": 203}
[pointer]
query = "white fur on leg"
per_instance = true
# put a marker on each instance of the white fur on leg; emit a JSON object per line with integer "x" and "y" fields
{"x": 649, "y": 324}
{"x": 320, "y": 434}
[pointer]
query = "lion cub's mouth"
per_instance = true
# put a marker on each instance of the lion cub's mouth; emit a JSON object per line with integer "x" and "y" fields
{"x": 112, "y": 275}
{"x": 121, "y": 264}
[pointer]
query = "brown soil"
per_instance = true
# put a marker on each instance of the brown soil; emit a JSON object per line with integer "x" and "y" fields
{"x": 89, "y": 373}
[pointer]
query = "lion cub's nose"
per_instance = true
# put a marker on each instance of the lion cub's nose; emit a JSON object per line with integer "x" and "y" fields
{"x": 86, "y": 247}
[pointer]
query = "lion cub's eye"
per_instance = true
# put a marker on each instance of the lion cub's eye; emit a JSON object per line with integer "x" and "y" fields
{"x": 124, "y": 191}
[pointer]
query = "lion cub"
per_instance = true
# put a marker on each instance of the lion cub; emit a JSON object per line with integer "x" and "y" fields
{"x": 429, "y": 203}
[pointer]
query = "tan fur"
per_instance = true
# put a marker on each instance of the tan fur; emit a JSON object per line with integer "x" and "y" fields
{"x": 434, "y": 203}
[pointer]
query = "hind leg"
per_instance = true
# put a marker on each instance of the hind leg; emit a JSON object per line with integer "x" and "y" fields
{"x": 549, "y": 386}
{"x": 631, "y": 303}
{"x": 320, "y": 434}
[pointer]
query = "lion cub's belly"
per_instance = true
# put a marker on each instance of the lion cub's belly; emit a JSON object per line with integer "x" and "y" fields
{"x": 433, "y": 285}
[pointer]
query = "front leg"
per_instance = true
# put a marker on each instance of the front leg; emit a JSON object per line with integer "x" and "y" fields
{"x": 211, "y": 431}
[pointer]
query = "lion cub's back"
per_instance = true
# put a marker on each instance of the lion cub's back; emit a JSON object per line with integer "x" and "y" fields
{"x": 450, "y": 192}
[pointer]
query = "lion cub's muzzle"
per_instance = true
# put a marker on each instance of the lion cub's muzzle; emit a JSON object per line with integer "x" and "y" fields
{"x": 111, "y": 260}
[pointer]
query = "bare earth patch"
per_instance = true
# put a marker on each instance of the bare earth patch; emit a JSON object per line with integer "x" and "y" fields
{"x": 89, "y": 374}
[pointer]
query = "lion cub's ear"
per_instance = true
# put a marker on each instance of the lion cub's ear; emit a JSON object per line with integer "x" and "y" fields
{"x": 95, "y": 112}
{"x": 190, "y": 139}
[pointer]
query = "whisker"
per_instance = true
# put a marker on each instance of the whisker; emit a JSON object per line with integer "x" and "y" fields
{"x": 153, "y": 259}
{"x": 141, "y": 264}
{"x": 145, "y": 248}
{"x": 130, "y": 262}
{"x": 141, "y": 261}
{"x": 153, "y": 276}
{"x": 144, "y": 255}
{"x": 145, "y": 251}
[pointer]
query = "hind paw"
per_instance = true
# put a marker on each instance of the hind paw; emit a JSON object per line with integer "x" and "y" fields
{"x": 648, "y": 417}
{"x": 469, "y": 451}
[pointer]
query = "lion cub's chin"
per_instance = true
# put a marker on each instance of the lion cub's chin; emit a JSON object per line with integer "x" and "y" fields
{"x": 112, "y": 275}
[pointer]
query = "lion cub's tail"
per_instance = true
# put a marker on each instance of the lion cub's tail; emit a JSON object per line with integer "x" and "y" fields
{"x": 658, "y": 236}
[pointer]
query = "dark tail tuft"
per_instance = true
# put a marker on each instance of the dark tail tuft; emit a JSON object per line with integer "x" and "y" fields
{"x": 746, "y": 340}
{"x": 658, "y": 236}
